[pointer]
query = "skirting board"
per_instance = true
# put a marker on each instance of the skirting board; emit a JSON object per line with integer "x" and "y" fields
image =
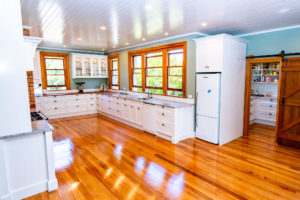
{"x": 172, "y": 139}
{"x": 31, "y": 190}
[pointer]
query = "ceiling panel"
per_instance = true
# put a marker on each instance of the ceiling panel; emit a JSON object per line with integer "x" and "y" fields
{"x": 76, "y": 24}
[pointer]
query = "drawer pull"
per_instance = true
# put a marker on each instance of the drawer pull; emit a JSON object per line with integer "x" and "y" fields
{"x": 77, "y": 99}
{"x": 163, "y": 114}
{"x": 109, "y": 101}
{"x": 125, "y": 105}
{"x": 131, "y": 106}
{"x": 163, "y": 124}
{"x": 270, "y": 114}
{"x": 77, "y": 106}
{"x": 92, "y": 104}
{"x": 271, "y": 99}
{"x": 117, "y": 103}
{"x": 55, "y": 108}
{"x": 117, "y": 110}
{"x": 271, "y": 106}
{"x": 138, "y": 108}
{"x": 55, "y": 101}
{"x": 162, "y": 106}
{"x": 91, "y": 98}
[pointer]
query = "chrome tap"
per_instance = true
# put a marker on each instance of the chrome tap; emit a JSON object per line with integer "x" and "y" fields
{"x": 149, "y": 95}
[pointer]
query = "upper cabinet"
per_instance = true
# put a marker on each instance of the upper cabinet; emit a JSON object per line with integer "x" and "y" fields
{"x": 213, "y": 52}
{"x": 89, "y": 66}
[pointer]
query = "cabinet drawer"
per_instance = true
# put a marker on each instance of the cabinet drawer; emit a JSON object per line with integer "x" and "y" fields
{"x": 165, "y": 128}
{"x": 77, "y": 108}
{"x": 92, "y": 106}
{"x": 48, "y": 106}
{"x": 267, "y": 116}
{"x": 164, "y": 115}
{"x": 53, "y": 99}
{"x": 268, "y": 106}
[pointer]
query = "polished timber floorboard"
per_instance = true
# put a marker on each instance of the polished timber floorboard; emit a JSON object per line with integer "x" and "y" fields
{"x": 99, "y": 158}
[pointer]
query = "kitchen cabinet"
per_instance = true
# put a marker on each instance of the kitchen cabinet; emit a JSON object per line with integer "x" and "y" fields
{"x": 89, "y": 66}
{"x": 149, "y": 118}
{"x": 263, "y": 110}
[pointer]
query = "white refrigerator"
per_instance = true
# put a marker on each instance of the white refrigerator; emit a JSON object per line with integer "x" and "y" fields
{"x": 208, "y": 106}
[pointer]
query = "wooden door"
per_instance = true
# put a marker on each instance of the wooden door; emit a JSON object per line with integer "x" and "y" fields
{"x": 288, "y": 113}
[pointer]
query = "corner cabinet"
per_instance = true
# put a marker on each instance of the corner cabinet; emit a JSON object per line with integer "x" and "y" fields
{"x": 89, "y": 66}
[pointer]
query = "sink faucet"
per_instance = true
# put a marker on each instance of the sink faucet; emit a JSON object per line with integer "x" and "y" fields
{"x": 149, "y": 95}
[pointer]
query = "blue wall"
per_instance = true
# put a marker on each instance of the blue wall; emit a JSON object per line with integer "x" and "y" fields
{"x": 274, "y": 42}
{"x": 90, "y": 83}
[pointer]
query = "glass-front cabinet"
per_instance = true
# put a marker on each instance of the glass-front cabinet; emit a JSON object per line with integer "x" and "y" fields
{"x": 89, "y": 66}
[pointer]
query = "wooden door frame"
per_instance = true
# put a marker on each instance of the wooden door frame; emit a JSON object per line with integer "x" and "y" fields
{"x": 248, "y": 85}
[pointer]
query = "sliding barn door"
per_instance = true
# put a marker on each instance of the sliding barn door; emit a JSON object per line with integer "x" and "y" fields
{"x": 288, "y": 118}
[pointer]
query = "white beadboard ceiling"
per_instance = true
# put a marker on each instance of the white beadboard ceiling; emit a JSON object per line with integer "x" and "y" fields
{"x": 76, "y": 24}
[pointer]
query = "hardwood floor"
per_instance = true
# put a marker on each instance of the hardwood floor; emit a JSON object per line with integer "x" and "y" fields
{"x": 99, "y": 158}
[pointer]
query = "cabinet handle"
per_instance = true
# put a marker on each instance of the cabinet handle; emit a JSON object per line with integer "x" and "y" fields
{"x": 163, "y": 114}
{"x": 163, "y": 124}
{"x": 206, "y": 67}
{"x": 271, "y": 106}
{"x": 270, "y": 114}
{"x": 92, "y": 98}
{"x": 117, "y": 103}
{"x": 117, "y": 110}
{"x": 131, "y": 106}
{"x": 162, "y": 106}
{"x": 109, "y": 101}
{"x": 77, "y": 106}
{"x": 138, "y": 108}
{"x": 55, "y": 108}
{"x": 77, "y": 99}
{"x": 271, "y": 99}
{"x": 125, "y": 105}
{"x": 92, "y": 104}
{"x": 55, "y": 101}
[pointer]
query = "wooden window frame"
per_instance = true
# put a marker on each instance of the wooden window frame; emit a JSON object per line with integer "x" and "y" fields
{"x": 164, "y": 49}
{"x": 110, "y": 70}
{"x": 65, "y": 57}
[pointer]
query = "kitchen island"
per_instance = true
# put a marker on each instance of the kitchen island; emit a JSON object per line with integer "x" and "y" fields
{"x": 27, "y": 162}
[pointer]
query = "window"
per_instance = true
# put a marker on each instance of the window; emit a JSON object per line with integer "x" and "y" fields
{"x": 55, "y": 71}
{"x": 114, "y": 71}
{"x": 160, "y": 70}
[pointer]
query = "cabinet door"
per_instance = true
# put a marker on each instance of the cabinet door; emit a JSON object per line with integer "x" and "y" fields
{"x": 77, "y": 66}
{"x": 95, "y": 66}
{"x": 132, "y": 113}
{"x": 210, "y": 55}
{"x": 139, "y": 115}
{"x": 86, "y": 66}
{"x": 103, "y": 65}
{"x": 126, "y": 108}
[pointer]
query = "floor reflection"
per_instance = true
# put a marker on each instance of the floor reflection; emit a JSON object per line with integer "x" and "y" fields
{"x": 155, "y": 173}
{"x": 118, "y": 151}
{"x": 139, "y": 164}
{"x": 63, "y": 157}
{"x": 175, "y": 185}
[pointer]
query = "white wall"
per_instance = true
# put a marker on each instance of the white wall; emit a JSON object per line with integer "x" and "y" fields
{"x": 14, "y": 103}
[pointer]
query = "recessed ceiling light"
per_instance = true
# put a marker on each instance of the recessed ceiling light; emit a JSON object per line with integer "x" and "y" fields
{"x": 284, "y": 10}
{"x": 148, "y": 7}
{"x": 144, "y": 39}
{"x": 204, "y": 24}
{"x": 103, "y": 28}
{"x": 166, "y": 33}
{"x": 127, "y": 43}
{"x": 79, "y": 39}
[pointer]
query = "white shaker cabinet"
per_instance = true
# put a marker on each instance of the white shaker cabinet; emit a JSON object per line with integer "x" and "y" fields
{"x": 209, "y": 56}
{"x": 89, "y": 66}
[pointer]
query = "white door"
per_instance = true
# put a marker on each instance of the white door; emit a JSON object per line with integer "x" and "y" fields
{"x": 208, "y": 95}
{"x": 208, "y": 129}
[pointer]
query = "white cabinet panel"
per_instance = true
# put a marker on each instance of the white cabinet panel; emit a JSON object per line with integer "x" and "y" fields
{"x": 89, "y": 66}
{"x": 149, "y": 118}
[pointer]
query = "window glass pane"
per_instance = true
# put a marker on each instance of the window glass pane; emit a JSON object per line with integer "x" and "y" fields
{"x": 175, "y": 93}
{"x": 175, "y": 71}
{"x": 56, "y": 88}
{"x": 115, "y": 64}
{"x": 155, "y": 91}
{"x": 55, "y": 72}
{"x": 54, "y": 63}
{"x": 137, "y": 89}
{"x": 155, "y": 72}
{"x": 154, "y": 62}
{"x": 55, "y": 80}
{"x": 175, "y": 82}
{"x": 115, "y": 73}
{"x": 137, "y": 61}
{"x": 137, "y": 79}
{"x": 115, "y": 80}
{"x": 154, "y": 81}
{"x": 154, "y": 54}
{"x": 114, "y": 87}
{"x": 176, "y": 59}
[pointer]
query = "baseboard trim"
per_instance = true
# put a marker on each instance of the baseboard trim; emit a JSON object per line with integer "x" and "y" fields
{"x": 29, "y": 190}
{"x": 52, "y": 185}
